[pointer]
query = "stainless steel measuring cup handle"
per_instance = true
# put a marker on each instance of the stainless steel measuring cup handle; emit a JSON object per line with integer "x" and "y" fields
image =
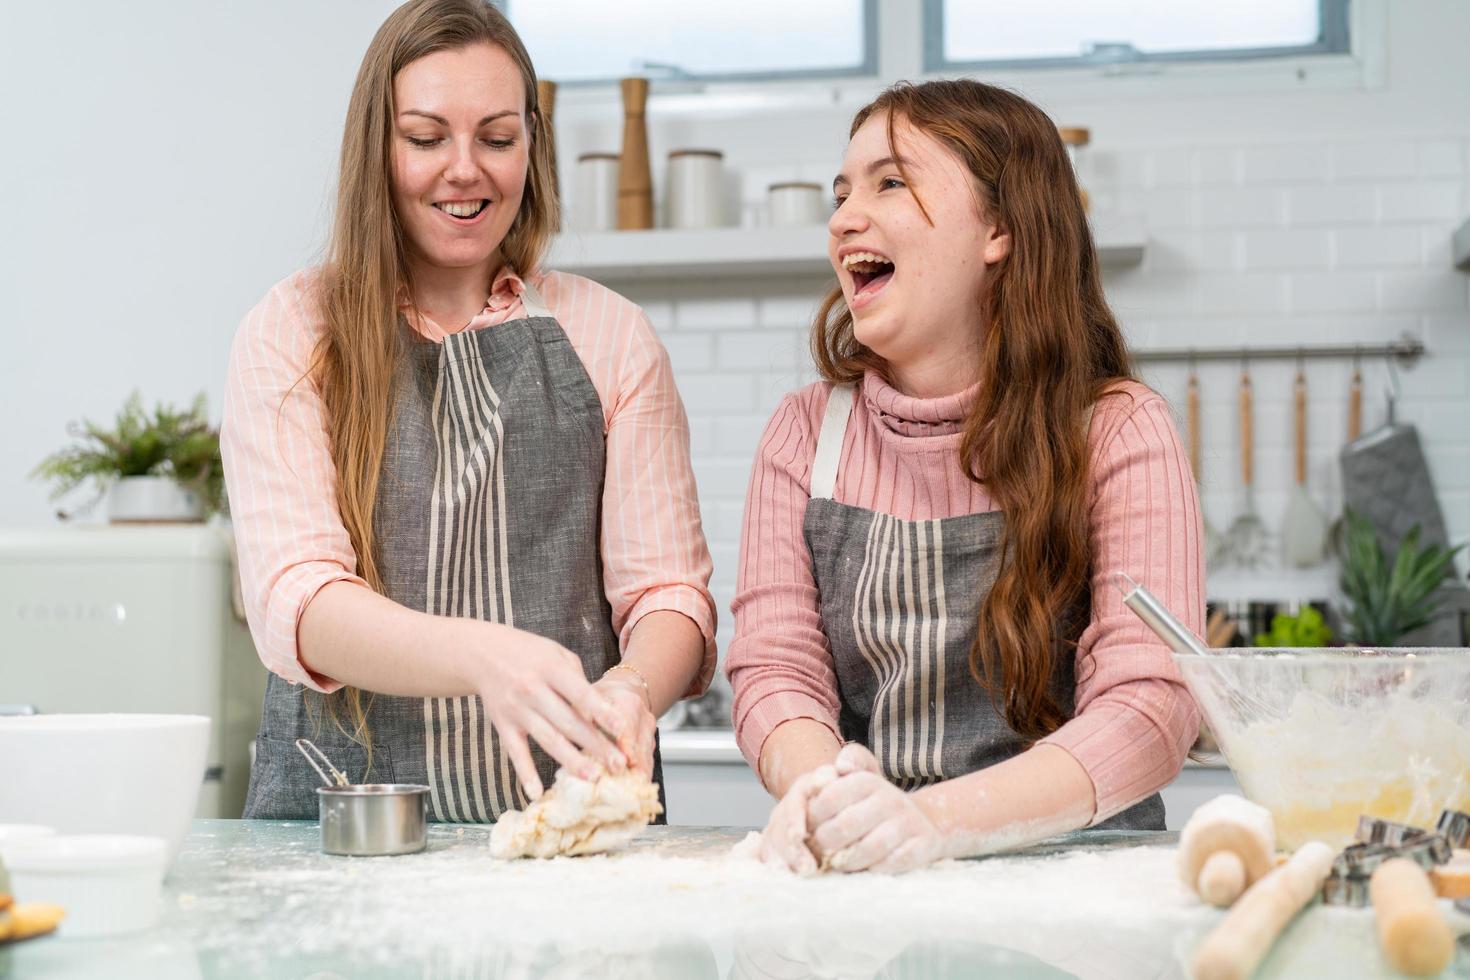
{"x": 313, "y": 755}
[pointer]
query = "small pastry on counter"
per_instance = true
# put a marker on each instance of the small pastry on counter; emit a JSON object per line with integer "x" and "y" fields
{"x": 578, "y": 816}
{"x": 1228, "y": 844}
{"x": 1414, "y": 935}
{"x": 1452, "y": 880}
{"x": 27, "y": 921}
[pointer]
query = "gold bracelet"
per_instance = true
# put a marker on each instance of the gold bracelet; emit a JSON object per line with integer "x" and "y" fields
{"x": 647, "y": 691}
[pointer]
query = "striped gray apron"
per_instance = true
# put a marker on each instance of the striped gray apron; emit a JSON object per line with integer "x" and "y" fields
{"x": 488, "y": 508}
{"x": 900, "y": 602}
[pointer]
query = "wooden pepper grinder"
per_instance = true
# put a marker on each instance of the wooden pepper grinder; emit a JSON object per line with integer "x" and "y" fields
{"x": 635, "y": 179}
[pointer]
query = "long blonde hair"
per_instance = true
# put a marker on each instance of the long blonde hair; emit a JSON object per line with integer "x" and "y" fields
{"x": 1051, "y": 349}
{"x": 355, "y": 363}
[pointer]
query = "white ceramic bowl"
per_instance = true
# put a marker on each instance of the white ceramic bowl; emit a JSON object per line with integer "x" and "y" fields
{"x": 109, "y": 884}
{"x": 104, "y": 774}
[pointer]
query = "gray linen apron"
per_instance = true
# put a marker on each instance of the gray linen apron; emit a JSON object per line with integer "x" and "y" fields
{"x": 488, "y": 508}
{"x": 899, "y": 604}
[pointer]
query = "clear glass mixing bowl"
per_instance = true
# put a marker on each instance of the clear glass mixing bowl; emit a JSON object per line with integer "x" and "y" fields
{"x": 1321, "y": 736}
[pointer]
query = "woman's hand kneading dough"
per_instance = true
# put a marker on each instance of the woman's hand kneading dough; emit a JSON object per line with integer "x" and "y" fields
{"x": 862, "y": 822}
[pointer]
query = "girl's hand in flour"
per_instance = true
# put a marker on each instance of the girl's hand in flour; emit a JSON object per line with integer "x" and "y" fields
{"x": 784, "y": 841}
{"x": 862, "y": 822}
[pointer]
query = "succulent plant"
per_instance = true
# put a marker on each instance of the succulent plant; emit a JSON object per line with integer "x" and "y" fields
{"x": 1386, "y": 601}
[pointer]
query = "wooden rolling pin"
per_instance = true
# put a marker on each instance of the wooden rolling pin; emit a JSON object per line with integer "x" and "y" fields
{"x": 1414, "y": 936}
{"x": 1227, "y": 845}
{"x": 635, "y": 178}
{"x": 1238, "y": 944}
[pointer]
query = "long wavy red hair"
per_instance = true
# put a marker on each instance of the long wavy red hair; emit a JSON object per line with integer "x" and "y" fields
{"x": 1051, "y": 348}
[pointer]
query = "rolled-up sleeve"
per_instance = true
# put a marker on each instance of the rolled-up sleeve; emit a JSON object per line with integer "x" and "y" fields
{"x": 779, "y": 663}
{"x": 1135, "y": 720}
{"x": 289, "y": 536}
{"x": 654, "y": 552}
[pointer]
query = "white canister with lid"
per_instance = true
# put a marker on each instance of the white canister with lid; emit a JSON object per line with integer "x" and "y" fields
{"x": 696, "y": 189}
{"x": 595, "y": 207}
{"x": 109, "y": 884}
{"x": 796, "y": 202}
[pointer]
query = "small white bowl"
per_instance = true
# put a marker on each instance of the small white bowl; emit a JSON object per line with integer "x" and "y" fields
{"x": 109, "y": 884}
{"x": 10, "y": 833}
{"x": 105, "y": 773}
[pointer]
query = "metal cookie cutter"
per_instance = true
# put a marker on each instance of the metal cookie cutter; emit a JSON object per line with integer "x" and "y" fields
{"x": 1455, "y": 825}
{"x": 1426, "y": 850}
{"x": 1361, "y": 860}
{"x": 1372, "y": 830}
{"x": 1349, "y": 890}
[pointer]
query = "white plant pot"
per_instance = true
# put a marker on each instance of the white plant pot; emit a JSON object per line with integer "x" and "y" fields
{"x": 152, "y": 499}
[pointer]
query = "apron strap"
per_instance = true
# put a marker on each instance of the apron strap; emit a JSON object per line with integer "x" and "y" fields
{"x": 531, "y": 300}
{"x": 829, "y": 441}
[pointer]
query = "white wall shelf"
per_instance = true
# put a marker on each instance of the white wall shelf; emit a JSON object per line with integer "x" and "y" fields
{"x": 738, "y": 253}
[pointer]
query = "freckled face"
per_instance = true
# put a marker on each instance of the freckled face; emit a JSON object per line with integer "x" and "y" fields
{"x": 913, "y": 286}
{"x": 461, "y": 149}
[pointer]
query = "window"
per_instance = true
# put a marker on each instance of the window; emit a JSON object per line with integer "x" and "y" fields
{"x": 970, "y": 34}
{"x": 585, "y": 41}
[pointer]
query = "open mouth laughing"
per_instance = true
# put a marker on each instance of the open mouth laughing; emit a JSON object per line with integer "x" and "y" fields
{"x": 870, "y": 272}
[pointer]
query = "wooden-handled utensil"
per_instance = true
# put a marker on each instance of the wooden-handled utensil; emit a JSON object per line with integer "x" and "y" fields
{"x": 1213, "y": 541}
{"x": 1247, "y": 538}
{"x": 1304, "y": 531}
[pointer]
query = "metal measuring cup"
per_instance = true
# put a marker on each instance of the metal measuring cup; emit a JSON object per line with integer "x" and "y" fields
{"x": 367, "y": 819}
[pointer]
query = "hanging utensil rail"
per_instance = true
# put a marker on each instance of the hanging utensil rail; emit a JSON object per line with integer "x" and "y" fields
{"x": 1406, "y": 350}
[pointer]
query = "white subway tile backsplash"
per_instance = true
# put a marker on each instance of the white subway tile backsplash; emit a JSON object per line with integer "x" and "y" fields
{"x": 1285, "y": 249}
{"x": 690, "y": 352}
{"x": 1180, "y": 249}
{"x": 1434, "y": 290}
{"x": 1232, "y": 207}
{"x": 1357, "y": 248}
{"x": 1284, "y": 164}
{"x": 1381, "y": 158}
{"x": 790, "y": 308}
{"x": 1431, "y": 201}
{"x": 739, "y": 435}
{"x": 710, "y": 393}
{"x": 721, "y": 479}
{"x": 1241, "y": 293}
{"x": 1217, "y": 165}
{"x": 1173, "y": 168}
{"x": 719, "y": 313}
{"x": 756, "y": 350}
{"x": 1325, "y": 205}
{"x": 1348, "y": 292}
{"x": 1441, "y": 158}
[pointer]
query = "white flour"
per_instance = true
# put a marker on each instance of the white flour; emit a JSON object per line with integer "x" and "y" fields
{"x": 666, "y": 891}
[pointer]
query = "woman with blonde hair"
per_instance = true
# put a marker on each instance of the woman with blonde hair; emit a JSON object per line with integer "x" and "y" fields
{"x": 928, "y": 658}
{"x": 468, "y": 533}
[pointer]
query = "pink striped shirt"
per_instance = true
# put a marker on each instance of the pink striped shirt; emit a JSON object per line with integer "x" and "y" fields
{"x": 1134, "y": 720}
{"x": 281, "y": 479}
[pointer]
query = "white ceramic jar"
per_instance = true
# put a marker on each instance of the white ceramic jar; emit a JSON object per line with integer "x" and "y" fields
{"x": 696, "y": 189}
{"x": 595, "y": 208}
{"x": 796, "y": 202}
{"x": 109, "y": 884}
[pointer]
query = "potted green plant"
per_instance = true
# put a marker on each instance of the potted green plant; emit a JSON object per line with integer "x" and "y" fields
{"x": 151, "y": 467}
{"x": 1388, "y": 600}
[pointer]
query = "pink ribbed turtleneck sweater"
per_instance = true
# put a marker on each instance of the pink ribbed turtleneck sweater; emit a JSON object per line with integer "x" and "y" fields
{"x": 1134, "y": 719}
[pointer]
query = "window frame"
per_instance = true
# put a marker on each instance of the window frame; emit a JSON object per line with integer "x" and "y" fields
{"x": 1335, "y": 39}
{"x": 867, "y": 68}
